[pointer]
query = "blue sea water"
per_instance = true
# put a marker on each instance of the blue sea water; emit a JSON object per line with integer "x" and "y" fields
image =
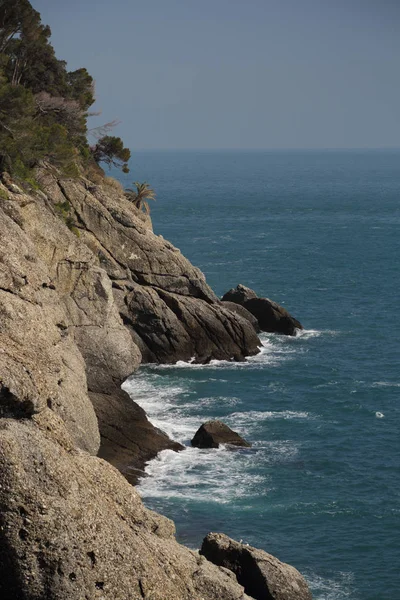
{"x": 317, "y": 232}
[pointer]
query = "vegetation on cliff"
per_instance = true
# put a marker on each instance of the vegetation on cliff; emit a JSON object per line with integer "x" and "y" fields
{"x": 140, "y": 196}
{"x": 44, "y": 107}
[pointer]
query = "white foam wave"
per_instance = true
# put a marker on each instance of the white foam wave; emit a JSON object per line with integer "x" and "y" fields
{"x": 311, "y": 333}
{"x": 160, "y": 404}
{"x": 274, "y": 348}
{"x": 339, "y": 587}
{"x": 263, "y": 358}
{"x": 327, "y": 384}
{"x": 215, "y": 401}
{"x": 249, "y": 423}
{"x": 218, "y": 475}
{"x": 385, "y": 384}
{"x": 255, "y": 415}
{"x": 172, "y": 405}
{"x": 171, "y": 409}
{"x": 271, "y": 353}
{"x": 221, "y": 475}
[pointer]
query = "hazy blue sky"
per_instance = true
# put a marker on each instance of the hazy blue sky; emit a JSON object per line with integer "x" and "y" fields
{"x": 237, "y": 73}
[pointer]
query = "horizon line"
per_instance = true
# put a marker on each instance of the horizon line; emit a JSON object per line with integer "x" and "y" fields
{"x": 288, "y": 149}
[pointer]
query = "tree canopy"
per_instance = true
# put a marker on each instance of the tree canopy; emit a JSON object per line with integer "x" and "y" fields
{"x": 111, "y": 150}
{"x": 43, "y": 106}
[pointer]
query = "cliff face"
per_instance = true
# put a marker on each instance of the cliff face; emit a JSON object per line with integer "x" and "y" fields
{"x": 165, "y": 302}
{"x": 64, "y": 343}
{"x": 72, "y": 527}
{"x": 129, "y": 296}
{"x": 76, "y": 316}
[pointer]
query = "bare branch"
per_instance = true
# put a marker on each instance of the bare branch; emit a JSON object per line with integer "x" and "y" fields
{"x": 98, "y": 132}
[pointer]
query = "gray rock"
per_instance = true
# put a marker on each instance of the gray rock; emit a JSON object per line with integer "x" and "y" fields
{"x": 239, "y": 294}
{"x": 263, "y": 576}
{"x": 243, "y": 312}
{"x": 129, "y": 440}
{"x": 270, "y": 316}
{"x": 40, "y": 364}
{"x": 163, "y": 299}
{"x": 9, "y": 184}
{"x": 214, "y": 433}
{"x": 62, "y": 333}
{"x": 71, "y": 527}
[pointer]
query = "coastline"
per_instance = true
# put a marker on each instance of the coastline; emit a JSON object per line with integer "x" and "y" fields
{"x": 71, "y": 303}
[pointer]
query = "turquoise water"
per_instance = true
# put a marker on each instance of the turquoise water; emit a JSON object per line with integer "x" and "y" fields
{"x": 319, "y": 233}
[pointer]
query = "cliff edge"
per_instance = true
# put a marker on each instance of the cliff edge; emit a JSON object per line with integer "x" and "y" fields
{"x": 88, "y": 292}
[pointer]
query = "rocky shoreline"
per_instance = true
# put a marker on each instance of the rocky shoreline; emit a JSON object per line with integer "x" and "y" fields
{"x": 83, "y": 302}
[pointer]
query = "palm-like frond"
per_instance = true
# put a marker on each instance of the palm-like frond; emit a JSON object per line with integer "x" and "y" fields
{"x": 140, "y": 196}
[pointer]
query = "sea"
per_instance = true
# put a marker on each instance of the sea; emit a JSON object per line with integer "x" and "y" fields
{"x": 319, "y": 233}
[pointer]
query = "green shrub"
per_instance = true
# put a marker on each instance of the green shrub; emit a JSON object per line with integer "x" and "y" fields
{"x": 63, "y": 209}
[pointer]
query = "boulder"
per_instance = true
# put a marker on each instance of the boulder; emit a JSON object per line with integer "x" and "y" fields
{"x": 262, "y": 575}
{"x": 239, "y": 294}
{"x": 214, "y": 433}
{"x": 243, "y": 312}
{"x": 270, "y": 316}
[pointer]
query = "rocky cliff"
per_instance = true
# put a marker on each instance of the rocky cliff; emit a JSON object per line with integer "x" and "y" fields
{"x": 113, "y": 294}
{"x": 88, "y": 292}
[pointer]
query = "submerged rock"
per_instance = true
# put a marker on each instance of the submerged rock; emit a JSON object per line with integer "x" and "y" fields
{"x": 214, "y": 433}
{"x": 262, "y": 575}
{"x": 271, "y": 317}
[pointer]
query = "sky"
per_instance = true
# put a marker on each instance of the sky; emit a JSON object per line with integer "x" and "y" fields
{"x": 237, "y": 74}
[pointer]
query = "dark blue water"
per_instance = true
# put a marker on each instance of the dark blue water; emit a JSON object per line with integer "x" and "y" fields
{"x": 319, "y": 233}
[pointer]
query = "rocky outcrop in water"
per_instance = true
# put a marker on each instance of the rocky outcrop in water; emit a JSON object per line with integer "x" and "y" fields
{"x": 239, "y": 295}
{"x": 214, "y": 433}
{"x": 129, "y": 439}
{"x": 271, "y": 317}
{"x": 243, "y": 312}
{"x": 263, "y": 576}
